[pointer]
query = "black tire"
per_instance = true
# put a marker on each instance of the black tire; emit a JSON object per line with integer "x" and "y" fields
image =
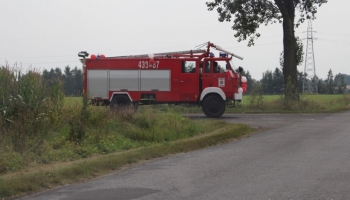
{"x": 213, "y": 106}
{"x": 120, "y": 102}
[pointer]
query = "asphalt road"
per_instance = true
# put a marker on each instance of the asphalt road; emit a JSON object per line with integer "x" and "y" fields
{"x": 292, "y": 157}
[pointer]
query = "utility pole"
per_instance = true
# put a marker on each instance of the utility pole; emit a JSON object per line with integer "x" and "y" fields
{"x": 310, "y": 69}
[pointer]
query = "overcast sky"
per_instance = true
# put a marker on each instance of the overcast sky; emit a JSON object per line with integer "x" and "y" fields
{"x": 40, "y": 34}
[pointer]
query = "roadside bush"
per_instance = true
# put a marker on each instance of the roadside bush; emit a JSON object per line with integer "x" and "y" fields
{"x": 346, "y": 99}
{"x": 28, "y": 107}
{"x": 153, "y": 125}
{"x": 256, "y": 99}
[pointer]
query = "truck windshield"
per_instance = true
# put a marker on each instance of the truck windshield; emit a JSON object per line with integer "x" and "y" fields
{"x": 232, "y": 66}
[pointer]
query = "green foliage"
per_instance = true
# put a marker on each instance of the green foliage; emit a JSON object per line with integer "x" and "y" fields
{"x": 332, "y": 85}
{"x": 28, "y": 105}
{"x": 299, "y": 53}
{"x": 77, "y": 171}
{"x": 256, "y": 99}
{"x": 248, "y": 15}
{"x": 273, "y": 83}
{"x": 148, "y": 124}
{"x": 347, "y": 78}
{"x": 291, "y": 95}
{"x": 86, "y": 130}
{"x": 79, "y": 123}
{"x": 340, "y": 84}
{"x": 72, "y": 79}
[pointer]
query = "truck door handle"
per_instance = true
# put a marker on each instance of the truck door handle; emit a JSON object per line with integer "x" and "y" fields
{"x": 181, "y": 81}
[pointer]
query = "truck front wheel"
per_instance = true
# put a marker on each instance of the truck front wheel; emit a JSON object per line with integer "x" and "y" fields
{"x": 213, "y": 106}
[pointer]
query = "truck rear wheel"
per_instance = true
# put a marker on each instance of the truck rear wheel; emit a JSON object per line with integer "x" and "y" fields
{"x": 120, "y": 102}
{"x": 213, "y": 106}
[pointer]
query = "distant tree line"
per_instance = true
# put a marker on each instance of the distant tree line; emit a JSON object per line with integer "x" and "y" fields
{"x": 72, "y": 79}
{"x": 347, "y": 79}
{"x": 272, "y": 82}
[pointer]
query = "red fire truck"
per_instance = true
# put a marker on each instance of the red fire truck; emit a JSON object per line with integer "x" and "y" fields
{"x": 184, "y": 77}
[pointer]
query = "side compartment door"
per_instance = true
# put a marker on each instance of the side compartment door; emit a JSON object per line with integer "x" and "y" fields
{"x": 97, "y": 83}
{"x": 189, "y": 81}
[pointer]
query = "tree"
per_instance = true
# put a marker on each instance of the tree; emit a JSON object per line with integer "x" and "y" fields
{"x": 330, "y": 83}
{"x": 339, "y": 81}
{"x": 72, "y": 81}
{"x": 53, "y": 77}
{"x": 78, "y": 81}
{"x": 301, "y": 80}
{"x": 347, "y": 79}
{"x": 250, "y": 14}
{"x": 277, "y": 81}
{"x": 267, "y": 82}
{"x": 299, "y": 53}
{"x": 250, "y": 81}
{"x": 321, "y": 86}
{"x": 68, "y": 81}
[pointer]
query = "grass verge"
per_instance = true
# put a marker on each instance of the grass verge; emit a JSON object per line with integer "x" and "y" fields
{"x": 309, "y": 103}
{"x": 23, "y": 184}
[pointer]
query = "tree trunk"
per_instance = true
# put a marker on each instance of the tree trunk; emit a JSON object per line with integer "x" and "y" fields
{"x": 290, "y": 71}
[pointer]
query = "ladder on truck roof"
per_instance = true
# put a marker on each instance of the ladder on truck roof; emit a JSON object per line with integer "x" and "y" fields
{"x": 198, "y": 53}
{"x": 163, "y": 54}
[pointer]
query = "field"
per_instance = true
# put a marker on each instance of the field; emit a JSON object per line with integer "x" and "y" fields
{"x": 86, "y": 141}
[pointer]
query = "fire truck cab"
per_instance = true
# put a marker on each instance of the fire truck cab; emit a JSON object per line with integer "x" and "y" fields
{"x": 183, "y": 77}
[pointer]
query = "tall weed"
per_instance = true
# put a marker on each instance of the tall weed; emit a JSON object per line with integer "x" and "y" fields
{"x": 256, "y": 99}
{"x": 291, "y": 97}
{"x": 154, "y": 125}
{"x": 27, "y": 103}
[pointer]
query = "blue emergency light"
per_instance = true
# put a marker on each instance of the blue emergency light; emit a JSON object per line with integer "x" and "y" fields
{"x": 222, "y": 54}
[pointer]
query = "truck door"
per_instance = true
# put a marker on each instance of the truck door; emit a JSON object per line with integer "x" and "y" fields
{"x": 206, "y": 74}
{"x": 189, "y": 81}
{"x": 219, "y": 74}
{"x": 214, "y": 74}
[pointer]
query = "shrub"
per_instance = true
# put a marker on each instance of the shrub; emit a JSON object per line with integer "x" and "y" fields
{"x": 29, "y": 105}
{"x": 256, "y": 99}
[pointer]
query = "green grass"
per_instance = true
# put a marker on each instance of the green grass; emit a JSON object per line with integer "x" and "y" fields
{"x": 85, "y": 142}
{"x": 101, "y": 133}
{"x": 318, "y": 103}
{"x": 44, "y": 178}
{"x": 87, "y": 134}
{"x": 72, "y": 101}
{"x": 326, "y": 101}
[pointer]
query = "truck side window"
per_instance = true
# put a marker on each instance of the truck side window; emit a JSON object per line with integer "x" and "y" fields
{"x": 207, "y": 67}
{"x": 216, "y": 67}
{"x": 188, "y": 67}
{"x": 220, "y": 66}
